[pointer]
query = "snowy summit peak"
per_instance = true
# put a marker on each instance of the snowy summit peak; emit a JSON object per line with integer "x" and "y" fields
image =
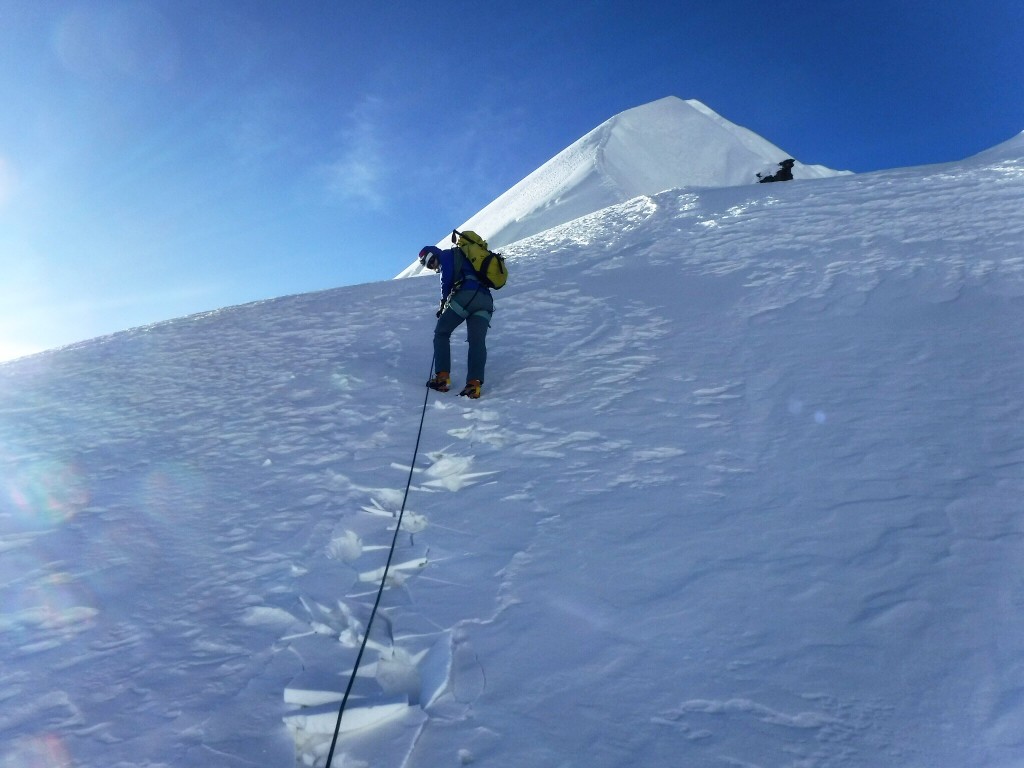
{"x": 665, "y": 144}
{"x": 673, "y": 143}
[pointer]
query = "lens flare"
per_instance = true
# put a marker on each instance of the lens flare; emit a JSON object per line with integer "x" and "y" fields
{"x": 42, "y": 608}
{"x": 44, "y": 493}
{"x": 46, "y": 751}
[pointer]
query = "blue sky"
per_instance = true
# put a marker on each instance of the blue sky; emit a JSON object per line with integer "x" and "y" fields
{"x": 165, "y": 157}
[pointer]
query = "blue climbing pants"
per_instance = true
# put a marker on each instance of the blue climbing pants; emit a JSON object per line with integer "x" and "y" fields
{"x": 474, "y": 307}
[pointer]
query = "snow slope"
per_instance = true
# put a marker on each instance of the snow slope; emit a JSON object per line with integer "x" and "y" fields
{"x": 666, "y": 144}
{"x": 744, "y": 489}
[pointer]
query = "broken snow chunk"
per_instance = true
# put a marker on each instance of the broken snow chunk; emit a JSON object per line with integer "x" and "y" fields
{"x": 348, "y": 547}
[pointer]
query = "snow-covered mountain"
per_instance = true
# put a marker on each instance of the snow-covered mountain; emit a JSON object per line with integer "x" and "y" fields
{"x": 666, "y": 144}
{"x": 744, "y": 488}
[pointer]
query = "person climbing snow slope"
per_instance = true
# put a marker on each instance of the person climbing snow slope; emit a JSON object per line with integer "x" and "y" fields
{"x": 464, "y": 297}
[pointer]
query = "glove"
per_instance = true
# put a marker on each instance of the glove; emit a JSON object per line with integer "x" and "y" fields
{"x": 440, "y": 309}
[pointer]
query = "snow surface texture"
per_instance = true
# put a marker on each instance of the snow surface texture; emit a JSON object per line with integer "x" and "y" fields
{"x": 666, "y": 144}
{"x": 744, "y": 489}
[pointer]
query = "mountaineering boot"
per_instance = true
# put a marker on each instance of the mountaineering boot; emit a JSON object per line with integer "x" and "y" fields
{"x": 471, "y": 390}
{"x": 440, "y": 382}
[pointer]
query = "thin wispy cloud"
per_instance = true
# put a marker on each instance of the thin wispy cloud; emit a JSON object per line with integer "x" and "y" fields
{"x": 356, "y": 178}
{"x": 360, "y": 173}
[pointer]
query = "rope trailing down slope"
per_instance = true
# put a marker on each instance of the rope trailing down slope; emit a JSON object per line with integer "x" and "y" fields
{"x": 383, "y": 581}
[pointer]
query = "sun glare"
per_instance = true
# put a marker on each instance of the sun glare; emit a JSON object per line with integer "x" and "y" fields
{"x": 12, "y": 351}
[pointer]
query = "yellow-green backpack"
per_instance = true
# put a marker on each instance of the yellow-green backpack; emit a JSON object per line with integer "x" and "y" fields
{"x": 489, "y": 266}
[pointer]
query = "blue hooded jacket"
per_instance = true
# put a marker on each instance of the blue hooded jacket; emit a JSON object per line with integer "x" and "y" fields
{"x": 455, "y": 271}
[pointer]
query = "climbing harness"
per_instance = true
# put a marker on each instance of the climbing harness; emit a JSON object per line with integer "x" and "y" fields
{"x": 461, "y": 283}
{"x": 383, "y": 581}
{"x": 465, "y": 314}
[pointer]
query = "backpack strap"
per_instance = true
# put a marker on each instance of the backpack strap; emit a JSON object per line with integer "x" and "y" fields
{"x": 484, "y": 265}
{"x": 462, "y": 280}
